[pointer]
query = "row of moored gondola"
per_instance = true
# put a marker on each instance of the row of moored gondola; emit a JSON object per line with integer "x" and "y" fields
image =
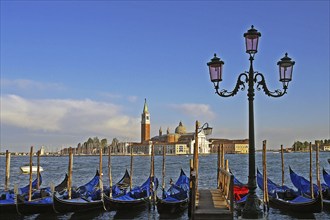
{"x": 90, "y": 197}
{"x": 287, "y": 199}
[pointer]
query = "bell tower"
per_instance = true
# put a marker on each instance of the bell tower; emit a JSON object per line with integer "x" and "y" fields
{"x": 145, "y": 123}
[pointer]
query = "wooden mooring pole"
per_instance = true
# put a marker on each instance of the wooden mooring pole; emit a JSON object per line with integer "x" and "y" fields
{"x": 101, "y": 174}
{"x": 7, "y": 170}
{"x": 163, "y": 168}
{"x": 282, "y": 160}
{"x": 222, "y": 155}
{"x": 38, "y": 169}
{"x": 69, "y": 185}
{"x": 192, "y": 191}
{"x": 318, "y": 170}
{"x": 196, "y": 155}
{"x": 152, "y": 174}
{"x": 109, "y": 171}
{"x": 218, "y": 167}
{"x": 131, "y": 169}
{"x": 311, "y": 169}
{"x": 264, "y": 163}
{"x": 30, "y": 182}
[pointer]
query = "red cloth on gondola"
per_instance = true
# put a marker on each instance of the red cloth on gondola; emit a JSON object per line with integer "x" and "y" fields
{"x": 240, "y": 191}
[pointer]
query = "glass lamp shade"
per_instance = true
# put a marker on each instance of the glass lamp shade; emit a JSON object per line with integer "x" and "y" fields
{"x": 285, "y": 69}
{"x": 251, "y": 40}
{"x": 215, "y": 68}
{"x": 208, "y": 130}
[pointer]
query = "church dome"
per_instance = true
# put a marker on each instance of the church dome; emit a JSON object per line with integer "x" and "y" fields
{"x": 180, "y": 129}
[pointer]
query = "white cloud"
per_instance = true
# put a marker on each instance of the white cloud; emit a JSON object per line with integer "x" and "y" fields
{"x": 114, "y": 96}
{"x": 67, "y": 116}
{"x": 25, "y": 84}
{"x": 132, "y": 98}
{"x": 195, "y": 110}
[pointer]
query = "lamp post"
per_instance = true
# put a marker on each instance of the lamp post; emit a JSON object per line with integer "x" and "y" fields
{"x": 207, "y": 131}
{"x": 251, "y": 77}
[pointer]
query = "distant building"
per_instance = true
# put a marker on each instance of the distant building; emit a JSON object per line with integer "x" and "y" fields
{"x": 42, "y": 150}
{"x": 179, "y": 142}
{"x": 145, "y": 123}
{"x": 325, "y": 148}
{"x": 230, "y": 146}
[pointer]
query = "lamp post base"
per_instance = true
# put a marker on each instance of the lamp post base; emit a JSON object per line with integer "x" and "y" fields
{"x": 252, "y": 209}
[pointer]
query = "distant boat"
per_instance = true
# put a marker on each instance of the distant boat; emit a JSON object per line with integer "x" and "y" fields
{"x": 26, "y": 169}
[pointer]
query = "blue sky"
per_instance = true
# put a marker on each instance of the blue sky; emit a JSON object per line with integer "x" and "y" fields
{"x": 79, "y": 69}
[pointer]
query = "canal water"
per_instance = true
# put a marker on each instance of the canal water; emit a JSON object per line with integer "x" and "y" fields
{"x": 84, "y": 168}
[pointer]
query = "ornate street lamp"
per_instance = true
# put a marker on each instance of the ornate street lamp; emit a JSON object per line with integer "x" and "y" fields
{"x": 251, "y": 208}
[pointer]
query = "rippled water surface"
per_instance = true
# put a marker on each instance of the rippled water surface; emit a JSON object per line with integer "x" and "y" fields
{"x": 84, "y": 168}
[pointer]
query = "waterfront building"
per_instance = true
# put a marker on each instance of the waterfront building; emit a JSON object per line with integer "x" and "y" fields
{"x": 179, "y": 142}
{"x": 325, "y": 148}
{"x": 230, "y": 146}
{"x": 184, "y": 140}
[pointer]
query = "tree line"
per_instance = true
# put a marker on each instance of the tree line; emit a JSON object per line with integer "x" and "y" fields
{"x": 304, "y": 146}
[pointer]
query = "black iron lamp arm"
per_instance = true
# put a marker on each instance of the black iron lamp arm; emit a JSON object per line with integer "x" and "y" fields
{"x": 202, "y": 127}
{"x": 262, "y": 82}
{"x": 239, "y": 85}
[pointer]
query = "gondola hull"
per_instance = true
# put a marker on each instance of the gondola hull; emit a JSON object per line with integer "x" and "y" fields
{"x": 326, "y": 205}
{"x": 286, "y": 199}
{"x": 165, "y": 207}
{"x": 75, "y": 205}
{"x": 112, "y": 204}
{"x": 8, "y": 208}
{"x": 43, "y": 205}
{"x": 314, "y": 206}
{"x": 7, "y": 201}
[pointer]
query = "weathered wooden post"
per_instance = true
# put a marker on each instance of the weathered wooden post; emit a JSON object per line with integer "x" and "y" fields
{"x": 196, "y": 155}
{"x": 222, "y": 155}
{"x": 163, "y": 168}
{"x": 282, "y": 159}
{"x": 218, "y": 167}
{"x": 30, "y": 182}
{"x": 101, "y": 173}
{"x": 131, "y": 169}
{"x": 264, "y": 160}
{"x": 311, "y": 169}
{"x": 152, "y": 171}
{"x": 109, "y": 171}
{"x": 38, "y": 169}
{"x": 192, "y": 197}
{"x": 69, "y": 184}
{"x": 318, "y": 170}
{"x": 7, "y": 170}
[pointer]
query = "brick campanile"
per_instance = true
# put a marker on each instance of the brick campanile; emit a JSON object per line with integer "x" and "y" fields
{"x": 145, "y": 123}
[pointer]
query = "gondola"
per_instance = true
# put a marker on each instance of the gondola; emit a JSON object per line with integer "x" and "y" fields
{"x": 326, "y": 193}
{"x": 41, "y": 201}
{"x": 175, "y": 199}
{"x": 85, "y": 198}
{"x": 135, "y": 198}
{"x": 7, "y": 198}
{"x": 303, "y": 186}
{"x": 240, "y": 192}
{"x": 326, "y": 177}
{"x": 286, "y": 199}
{"x": 120, "y": 187}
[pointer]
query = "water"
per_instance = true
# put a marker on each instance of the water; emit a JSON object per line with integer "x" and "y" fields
{"x": 84, "y": 168}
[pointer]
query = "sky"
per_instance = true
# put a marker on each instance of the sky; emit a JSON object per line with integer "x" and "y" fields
{"x": 71, "y": 70}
